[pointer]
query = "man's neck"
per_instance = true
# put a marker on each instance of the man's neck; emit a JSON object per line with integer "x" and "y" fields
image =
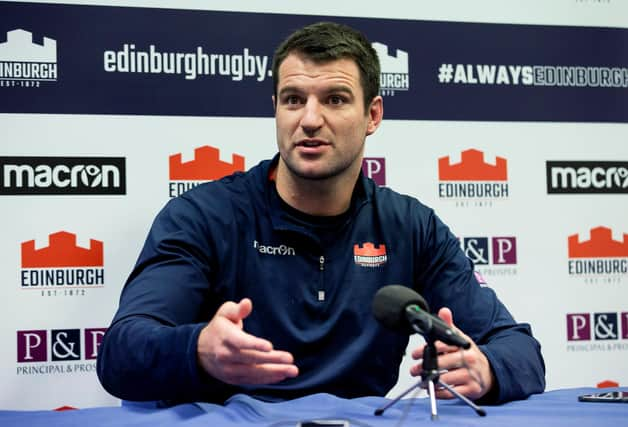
{"x": 326, "y": 197}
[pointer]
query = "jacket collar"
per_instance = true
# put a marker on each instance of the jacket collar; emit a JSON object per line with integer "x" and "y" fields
{"x": 362, "y": 194}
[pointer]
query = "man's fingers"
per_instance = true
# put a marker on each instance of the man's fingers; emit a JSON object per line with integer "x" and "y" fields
{"x": 415, "y": 370}
{"x": 470, "y": 391}
{"x": 242, "y": 347}
{"x": 253, "y": 357}
{"x": 448, "y": 362}
{"x": 441, "y": 348}
{"x": 453, "y": 360}
{"x": 456, "y": 377}
{"x": 268, "y": 373}
{"x": 240, "y": 340}
{"x": 461, "y": 379}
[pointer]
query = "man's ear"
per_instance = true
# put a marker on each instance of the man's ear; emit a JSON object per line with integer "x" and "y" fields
{"x": 274, "y": 103}
{"x": 376, "y": 114}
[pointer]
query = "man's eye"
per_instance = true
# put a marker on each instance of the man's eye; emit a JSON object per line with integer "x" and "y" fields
{"x": 336, "y": 100}
{"x": 292, "y": 99}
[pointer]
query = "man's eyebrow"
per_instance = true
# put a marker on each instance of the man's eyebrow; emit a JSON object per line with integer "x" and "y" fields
{"x": 340, "y": 88}
{"x": 332, "y": 89}
{"x": 289, "y": 89}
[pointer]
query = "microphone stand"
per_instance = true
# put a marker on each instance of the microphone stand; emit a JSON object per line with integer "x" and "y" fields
{"x": 430, "y": 378}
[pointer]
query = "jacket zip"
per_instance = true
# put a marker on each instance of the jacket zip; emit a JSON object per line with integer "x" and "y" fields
{"x": 321, "y": 267}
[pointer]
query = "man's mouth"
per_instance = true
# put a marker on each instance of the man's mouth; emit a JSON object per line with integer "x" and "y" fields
{"x": 311, "y": 143}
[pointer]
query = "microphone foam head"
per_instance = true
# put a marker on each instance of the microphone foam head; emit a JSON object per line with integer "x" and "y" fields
{"x": 389, "y": 306}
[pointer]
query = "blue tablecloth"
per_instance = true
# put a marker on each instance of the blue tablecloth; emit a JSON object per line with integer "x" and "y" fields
{"x": 554, "y": 408}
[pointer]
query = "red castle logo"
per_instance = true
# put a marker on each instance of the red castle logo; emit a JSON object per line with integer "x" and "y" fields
{"x": 600, "y": 245}
{"x": 369, "y": 256}
{"x": 472, "y": 167}
{"x": 206, "y": 165}
{"x": 607, "y": 384}
{"x": 62, "y": 251}
{"x": 369, "y": 249}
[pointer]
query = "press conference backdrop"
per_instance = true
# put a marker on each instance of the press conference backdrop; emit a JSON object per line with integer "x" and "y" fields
{"x": 510, "y": 121}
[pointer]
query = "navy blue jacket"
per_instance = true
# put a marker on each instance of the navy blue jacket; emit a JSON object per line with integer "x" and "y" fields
{"x": 312, "y": 282}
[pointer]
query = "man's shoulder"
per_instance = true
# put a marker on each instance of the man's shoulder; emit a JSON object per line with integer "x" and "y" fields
{"x": 238, "y": 184}
{"x": 389, "y": 199}
{"x": 222, "y": 198}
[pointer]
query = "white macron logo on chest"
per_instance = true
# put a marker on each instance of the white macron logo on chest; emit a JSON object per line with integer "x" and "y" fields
{"x": 273, "y": 250}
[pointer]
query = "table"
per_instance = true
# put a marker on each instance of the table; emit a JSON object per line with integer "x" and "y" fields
{"x": 554, "y": 408}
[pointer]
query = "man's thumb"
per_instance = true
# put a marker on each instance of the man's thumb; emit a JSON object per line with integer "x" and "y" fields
{"x": 236, "y": 312}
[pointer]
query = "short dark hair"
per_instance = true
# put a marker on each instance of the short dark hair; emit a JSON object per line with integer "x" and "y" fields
{"x": 329, "y": 41}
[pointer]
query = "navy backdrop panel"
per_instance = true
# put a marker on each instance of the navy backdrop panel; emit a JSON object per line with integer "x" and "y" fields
{"x": 84, "y": 33}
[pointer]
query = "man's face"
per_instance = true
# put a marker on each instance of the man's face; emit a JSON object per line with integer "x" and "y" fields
{"x": 320, "y": 117}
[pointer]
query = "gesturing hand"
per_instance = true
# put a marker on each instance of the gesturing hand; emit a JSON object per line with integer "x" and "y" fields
{"x": 229, "y": 354}
{"x": 468, "y": 371}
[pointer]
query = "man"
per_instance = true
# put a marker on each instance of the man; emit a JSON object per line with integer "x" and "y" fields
{"x": 262, "y": 282}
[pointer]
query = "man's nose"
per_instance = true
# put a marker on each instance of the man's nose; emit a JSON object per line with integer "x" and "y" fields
{"x": 312, "y": 118}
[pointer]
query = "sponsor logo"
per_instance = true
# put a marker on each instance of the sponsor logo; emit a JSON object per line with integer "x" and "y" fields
{"x": 367, "y": 255}
{"x": 61, "y": 176}
{"x": 375, "y": 168}
{"x": 191, "y": 65}
{"x": 273, "y": 250}
{"x": 206, "y": 166}
{"x": 27, "y": 64}
{"x": 598, "y": 259}
{"x": 472, "y": 181}
{"x": 605, "y": 331}
{"x": 394, "y": 74}
{"x": 58, "y": 351}
{"x": 587, "y": 177}
{"x": 62, "y": 267}
{"x": 494, "y": 256}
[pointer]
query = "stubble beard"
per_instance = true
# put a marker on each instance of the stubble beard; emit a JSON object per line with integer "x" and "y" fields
{"x": 333, "y": 171}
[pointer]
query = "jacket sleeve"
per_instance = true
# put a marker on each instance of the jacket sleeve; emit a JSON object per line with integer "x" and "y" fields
{"x": 446, "y": 279}
{"x": 150, "y": 350}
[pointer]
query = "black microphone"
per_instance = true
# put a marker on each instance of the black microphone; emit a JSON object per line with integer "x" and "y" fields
{"x": 401, "y": 309}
